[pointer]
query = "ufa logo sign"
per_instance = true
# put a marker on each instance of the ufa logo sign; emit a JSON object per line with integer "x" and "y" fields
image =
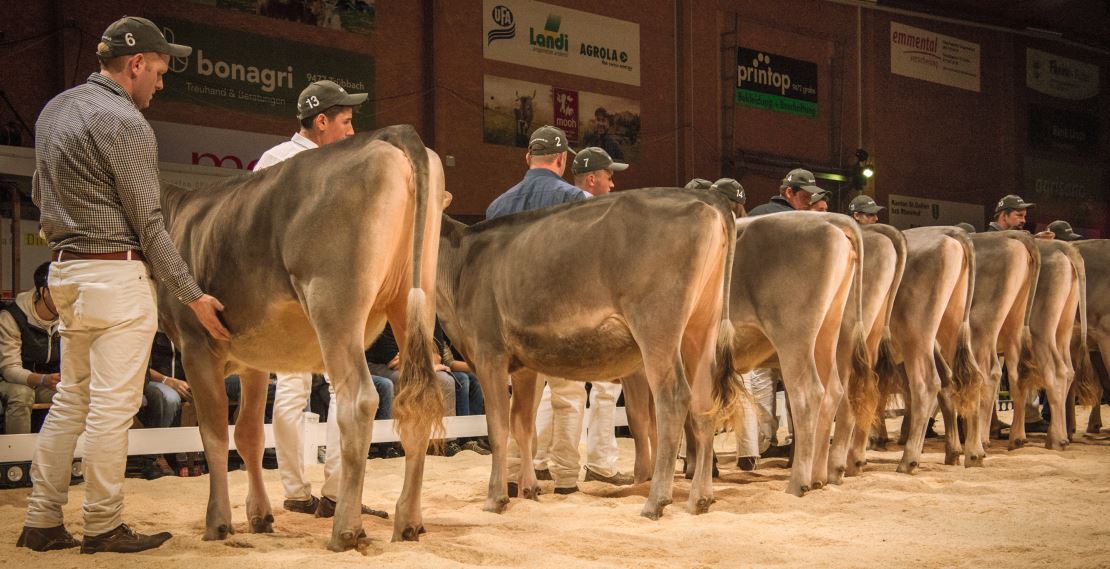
{"x": 503, "y": 17}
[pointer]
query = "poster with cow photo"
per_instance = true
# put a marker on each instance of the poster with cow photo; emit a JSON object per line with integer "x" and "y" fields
{"x": 512, "y": 109}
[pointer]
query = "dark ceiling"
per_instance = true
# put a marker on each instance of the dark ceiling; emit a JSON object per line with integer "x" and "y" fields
{"x": 1082, "y": 21}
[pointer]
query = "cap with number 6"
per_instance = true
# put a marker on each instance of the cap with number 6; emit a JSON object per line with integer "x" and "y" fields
{"x": 323, "y": 95}
{"x": 130, "y": 34}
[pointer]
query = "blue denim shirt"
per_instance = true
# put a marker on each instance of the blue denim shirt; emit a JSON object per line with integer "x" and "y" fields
{"x": 539, "y": 188}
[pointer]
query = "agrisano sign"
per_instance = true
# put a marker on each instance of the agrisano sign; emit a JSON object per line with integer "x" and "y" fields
{"x": 560, "y": 39}
{"x": 930, "y": 56}
{"x": 781, "y": 84}
{"x": 258, "y": 74}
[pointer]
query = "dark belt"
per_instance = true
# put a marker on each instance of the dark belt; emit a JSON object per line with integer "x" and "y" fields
{"x": 114, "y": 256}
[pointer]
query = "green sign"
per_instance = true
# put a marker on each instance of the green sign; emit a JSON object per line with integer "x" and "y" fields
{"x": 245, "y": 72}
{"x": 776, "y": 103}
{"x": 776, "y": 82}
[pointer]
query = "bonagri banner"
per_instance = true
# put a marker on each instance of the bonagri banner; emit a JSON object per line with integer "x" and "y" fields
{"x": 1060, "y": 76}
{"x": 934, "y": 57}
{"x": 553, "y": 38}
{"x": 234, "y": 70}
{"x": 775, "y": 82}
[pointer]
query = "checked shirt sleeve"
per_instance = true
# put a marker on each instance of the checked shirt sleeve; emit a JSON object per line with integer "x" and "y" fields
{"x": 134, "y": 161}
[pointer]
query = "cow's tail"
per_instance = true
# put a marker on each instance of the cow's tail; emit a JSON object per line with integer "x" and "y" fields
{"x": 1027, "y": 368}
{"x": 418, "y": 404}
{"x": 727, "y": 386}
{"x": 1087, "y": 388}
{"x": 967, "y": 379}
{"x": 886, "y": 367}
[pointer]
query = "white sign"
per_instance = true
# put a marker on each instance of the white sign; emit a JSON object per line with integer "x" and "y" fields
{"x": 217, "y": 147}
{"x": 554, "y": 38}
{"x": 911, "y": 211}
{"x": 1060, "y": 76}
{"x": 930, "y": 56}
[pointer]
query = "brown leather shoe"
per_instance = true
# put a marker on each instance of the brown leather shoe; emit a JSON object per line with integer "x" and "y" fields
{"x": 46, "y": 539}
{"x": 326, "y": 509}
{"x": 123, "y": 540}
{"x": 309, "y": 506}
{"x": 618, "y": 479}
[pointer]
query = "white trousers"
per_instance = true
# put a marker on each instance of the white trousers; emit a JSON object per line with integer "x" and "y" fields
{"x": 754, "y": 434}
{"x": 559, "y": 422}
{"x": 290, "y": 399}
{"x": 108, "y": 317}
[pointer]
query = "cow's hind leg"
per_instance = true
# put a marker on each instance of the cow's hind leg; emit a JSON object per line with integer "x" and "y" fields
{"x": 249, "y": 441}
{"x": 922, "y": 389}
{"x": 494, "y": 381}
{"x": 804, "y": 394}
{"x": 638, "y": 406}
{"x": 210, "y": 397}
{"x": 672, "y": 401}
{"x": 952, "y": 446}
{"x": 522, "y": 418}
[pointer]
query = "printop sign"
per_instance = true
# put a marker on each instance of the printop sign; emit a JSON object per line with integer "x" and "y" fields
{"x": 775, "y": 82}
{"x": 259, "y": 74}
{"x": 934, "y": 57}
{"x": 1060, "y": 76}
{"x": 553, "y": 38}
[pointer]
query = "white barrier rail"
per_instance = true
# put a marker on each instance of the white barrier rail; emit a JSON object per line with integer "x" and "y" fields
{"x": 20, "y": 448}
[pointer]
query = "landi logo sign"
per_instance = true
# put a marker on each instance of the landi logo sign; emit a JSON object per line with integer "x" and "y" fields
{"x": 549, "y": 38}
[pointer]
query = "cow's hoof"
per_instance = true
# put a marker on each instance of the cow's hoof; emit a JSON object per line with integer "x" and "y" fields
{"x": 262, "y": 524}
{"x": 975, "y": 461}
{"x": 952, "y": 458}
{"x": 496, "y": 505}
{"x": 817, "y": 485}
{"x": 346, "y": 540}
{"x": 836, "y": 475}
{"x": 1016, "y": 444}
{"x": 1055, "y": 445}
{"x": 532, "y": 493}
{"x": 654, "y": 512}
{"x": 218, "y": 533}
{"x": 907, "y": 468}
{"x": 702, "y": 505}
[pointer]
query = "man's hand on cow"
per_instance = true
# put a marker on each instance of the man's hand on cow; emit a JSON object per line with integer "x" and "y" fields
{"x": 441, "y": 367}
{"x": 207, "y": 309}
{"x": 1045, "y": 235}
{"x": 51, "y": 380}
{"x": 395, "y": 362}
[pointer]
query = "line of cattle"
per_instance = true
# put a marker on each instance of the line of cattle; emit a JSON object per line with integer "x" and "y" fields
{"x": 626, "y": 285}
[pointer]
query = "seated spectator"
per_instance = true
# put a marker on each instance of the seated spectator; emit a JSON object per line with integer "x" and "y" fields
{"x": 468, "y": 392}
{"x": 30, "y": 353}
{"x": 163, "y": 392}
{"x": 384, "y": 359}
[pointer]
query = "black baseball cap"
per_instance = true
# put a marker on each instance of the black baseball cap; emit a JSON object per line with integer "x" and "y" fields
{"x": 1011, "y": 202}
{"x": 548, "y": 140}
{"x": 323, "y": 95}
{"x": 731, "y": 189}
{"x": 592, "y": 159}
{"x": 864, "y": 204}
{"x": 699, "y": 184}
{"x": 1063, "y": 231}
{"x": 801, "y": 179}
{"x": 131, "y": 34}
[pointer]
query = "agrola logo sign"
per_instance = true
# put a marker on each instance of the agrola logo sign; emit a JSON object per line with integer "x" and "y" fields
{"x": 503, "y": 17}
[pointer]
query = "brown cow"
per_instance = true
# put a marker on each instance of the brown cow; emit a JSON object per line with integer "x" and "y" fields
{"x": 1061, "y": 292}
{"x": 1096, "y": 260}
{"x": 931, "y": 332}
{"x": 884, "y": 262}
{"x": 302, "y": 297}
{"x": 575, "y": 291}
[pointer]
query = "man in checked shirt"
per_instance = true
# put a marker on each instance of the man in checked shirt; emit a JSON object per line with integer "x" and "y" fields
{"x": 96, "y": 184}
